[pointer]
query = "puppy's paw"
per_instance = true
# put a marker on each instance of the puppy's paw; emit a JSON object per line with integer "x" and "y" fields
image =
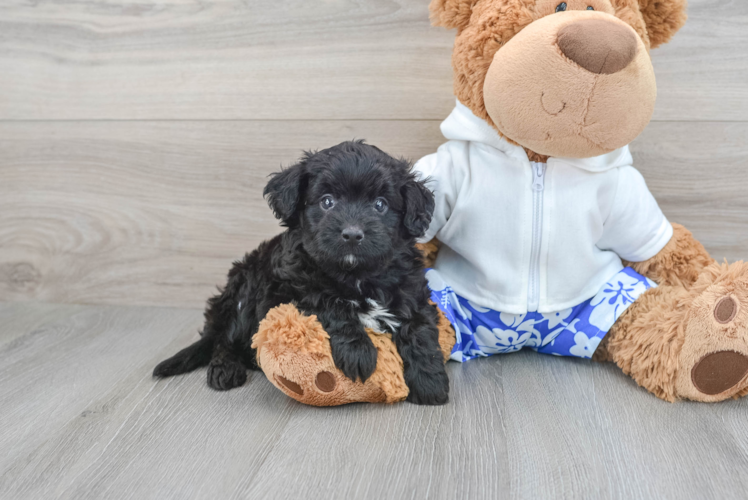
{"x": 226, "y": 375}
{"x": 356, "y": 358}
{"x": 427, "y": 388}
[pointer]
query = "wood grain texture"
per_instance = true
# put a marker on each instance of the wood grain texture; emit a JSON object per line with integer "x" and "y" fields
{"x": 153, "y": 213}
{"x": 230, "y": 59}
{"x": 517, "y": 426}
{"x": 298, "y": 59}
{"x": 49, "y": 375}
{"x": 698, "y": 172}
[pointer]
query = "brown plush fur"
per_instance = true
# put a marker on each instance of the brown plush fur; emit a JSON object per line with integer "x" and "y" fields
{"x": 429, "y": 251}
{"x": 663, "y": 19}
{"x": 669, "y": 329}
{"x": 293, "y": 350}
{"x": 646, "y": 340}
{"x": 447, "y": 336}
{"x": 451, "y": 13}
{"x": 679, "y": 263}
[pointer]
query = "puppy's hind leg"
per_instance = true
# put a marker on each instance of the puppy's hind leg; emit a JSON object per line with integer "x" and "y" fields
{"x": 186, "y": 360}
{"x": 226, "y": 369}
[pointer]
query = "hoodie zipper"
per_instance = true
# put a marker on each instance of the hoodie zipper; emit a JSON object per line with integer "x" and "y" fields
{"x": 538, "y": 189}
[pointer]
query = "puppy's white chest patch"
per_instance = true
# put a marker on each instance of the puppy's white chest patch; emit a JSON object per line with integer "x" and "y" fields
{"x": 378, "y": 318}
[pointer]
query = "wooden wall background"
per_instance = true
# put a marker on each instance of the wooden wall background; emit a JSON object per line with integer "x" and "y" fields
{"x": 136, "y": 135}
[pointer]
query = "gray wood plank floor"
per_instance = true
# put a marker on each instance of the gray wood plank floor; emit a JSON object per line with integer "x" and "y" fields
{"x": 82, "y": 418}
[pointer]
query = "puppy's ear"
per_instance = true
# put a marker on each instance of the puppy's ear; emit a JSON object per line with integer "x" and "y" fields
{"x": 419, "y": 206}
{"x": 285, "y": 191}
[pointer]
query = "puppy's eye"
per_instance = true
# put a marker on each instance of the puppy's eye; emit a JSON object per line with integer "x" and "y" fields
{"x": 589, "y": 7}
{"x": 380, "y": 205}
{"x": 327, "y": 202}
{"x": 561, "y": 7}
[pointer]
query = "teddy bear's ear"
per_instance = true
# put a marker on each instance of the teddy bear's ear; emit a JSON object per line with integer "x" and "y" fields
{"x": 663, "y": 19}
{"x": 451, "y": 13}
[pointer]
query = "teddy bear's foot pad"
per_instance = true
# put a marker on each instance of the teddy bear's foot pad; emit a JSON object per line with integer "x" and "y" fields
{"x": 714, "y": 352}
{"x": 324, "y": 381}
{"x": 719, "y": 371}
{"x": 289, "y": 384}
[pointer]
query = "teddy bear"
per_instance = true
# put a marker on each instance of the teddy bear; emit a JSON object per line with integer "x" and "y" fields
{"x": 544, "y": 235}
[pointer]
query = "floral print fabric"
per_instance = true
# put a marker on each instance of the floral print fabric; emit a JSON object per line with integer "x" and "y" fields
{"x": 576, "y": 331}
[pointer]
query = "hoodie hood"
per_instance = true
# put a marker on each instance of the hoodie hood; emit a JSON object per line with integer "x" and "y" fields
{"x": 463, "y": 125}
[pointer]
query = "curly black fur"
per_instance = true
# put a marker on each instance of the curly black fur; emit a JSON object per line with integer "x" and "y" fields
{"x": 353, "y": 214}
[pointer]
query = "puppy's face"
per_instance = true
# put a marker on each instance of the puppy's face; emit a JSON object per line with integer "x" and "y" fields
{"x": 354, "y": 205}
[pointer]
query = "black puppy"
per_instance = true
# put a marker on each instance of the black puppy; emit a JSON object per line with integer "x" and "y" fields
{"x": 353, "y": 214}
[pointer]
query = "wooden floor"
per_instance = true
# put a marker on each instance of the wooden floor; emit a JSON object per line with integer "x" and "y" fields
{"x": 82, "y": 418}
{"x": 135, "y": 139}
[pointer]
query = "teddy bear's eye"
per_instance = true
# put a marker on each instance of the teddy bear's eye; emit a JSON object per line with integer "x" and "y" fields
{"x": 561, "y": 7}
{"x": 589, "y": 7}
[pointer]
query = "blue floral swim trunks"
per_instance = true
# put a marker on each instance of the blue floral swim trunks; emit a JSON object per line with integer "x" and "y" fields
{"x": 576, "y": 331}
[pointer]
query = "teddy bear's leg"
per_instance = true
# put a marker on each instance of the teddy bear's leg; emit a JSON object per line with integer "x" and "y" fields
{"x": 294, "y": 352}
{"x": 687, "y": 343}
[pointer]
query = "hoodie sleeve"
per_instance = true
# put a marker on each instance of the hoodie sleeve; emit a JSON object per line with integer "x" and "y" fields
{"x": 636, "y": 228}
{"x": 437, "y": 171}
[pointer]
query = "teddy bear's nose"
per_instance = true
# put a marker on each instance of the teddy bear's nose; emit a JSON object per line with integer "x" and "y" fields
{"x": 598, "y": 45}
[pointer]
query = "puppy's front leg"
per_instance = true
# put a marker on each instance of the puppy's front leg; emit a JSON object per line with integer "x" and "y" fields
{"x": 417, "y": 342}
{"x": 352, "y": 349}
{"x": 226, "y": 369}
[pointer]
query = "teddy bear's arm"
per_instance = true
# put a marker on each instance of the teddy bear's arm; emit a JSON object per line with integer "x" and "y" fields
{"x": 429, "y": 250}
{"x": 679, "y": 263}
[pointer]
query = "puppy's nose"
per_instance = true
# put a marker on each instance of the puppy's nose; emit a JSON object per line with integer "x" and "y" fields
{"x": 353, "y": 235}
{"x": 598, "y": 45}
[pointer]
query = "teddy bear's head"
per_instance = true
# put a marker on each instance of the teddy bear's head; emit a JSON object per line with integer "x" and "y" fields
{"x": 567, "y": 78}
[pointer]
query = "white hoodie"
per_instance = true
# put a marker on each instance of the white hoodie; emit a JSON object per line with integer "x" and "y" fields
{"x": 520, "y": 236}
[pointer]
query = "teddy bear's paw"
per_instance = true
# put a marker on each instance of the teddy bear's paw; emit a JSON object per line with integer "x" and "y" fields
{"x": 226, "y": 374}
{"x": 714, "y": 356}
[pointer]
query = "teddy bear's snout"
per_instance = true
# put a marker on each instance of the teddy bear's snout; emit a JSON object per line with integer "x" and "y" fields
{"x": 598, "y": 45}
